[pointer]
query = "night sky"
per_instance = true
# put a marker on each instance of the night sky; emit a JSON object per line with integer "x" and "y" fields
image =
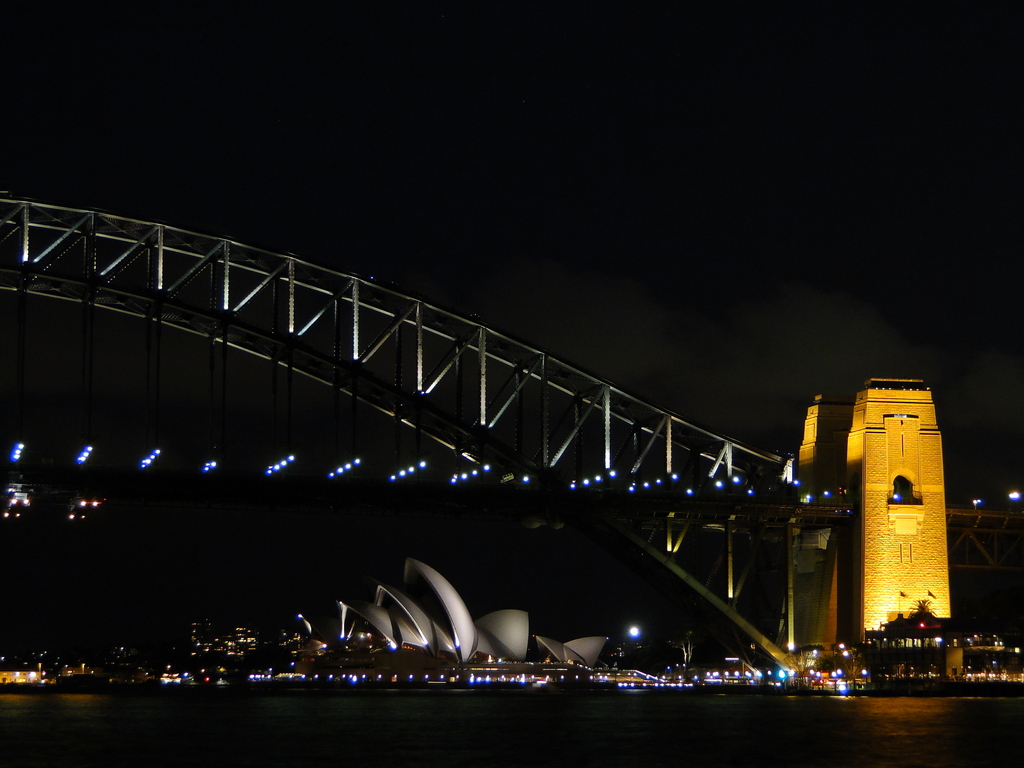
{"x": 726, "y": 210}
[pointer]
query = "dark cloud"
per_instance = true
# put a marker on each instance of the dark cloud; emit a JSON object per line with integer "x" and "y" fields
{"x": 741, "y": 363}
{"x": 988, "y": 394}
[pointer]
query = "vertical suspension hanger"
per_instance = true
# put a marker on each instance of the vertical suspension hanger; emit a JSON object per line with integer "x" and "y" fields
{"x": 88, "y": 331}
{"x": 291, "y": 354}
{"x": 223, "y": 444}
{"x": 398, "y": 402}
{"x": 154, "y": 333}
{"x": 355, "y": 369}
{"x": 273, "y": 371}
{"x": 22, "y": 324}
{"x": 212, "y": 363}
{"x": 336, "y": 378}
{"x": 225, "y": 309}
{"x": 419, "y": 378}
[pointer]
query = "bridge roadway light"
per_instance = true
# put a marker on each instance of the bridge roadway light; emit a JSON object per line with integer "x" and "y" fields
{"x": 411, "y": 470}
{"x": 280, "y": 465}
{"x": 976, "y": 502}
{"x": 84, "y": 454}
{"x": 16, "y": 451}
{"x": 347, "y": 467}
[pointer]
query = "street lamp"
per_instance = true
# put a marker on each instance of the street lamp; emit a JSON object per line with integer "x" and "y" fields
{"x": 976, "y": 502}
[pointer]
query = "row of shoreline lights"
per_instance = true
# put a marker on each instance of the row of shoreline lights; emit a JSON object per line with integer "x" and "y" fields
{"x": 78, "y": 512}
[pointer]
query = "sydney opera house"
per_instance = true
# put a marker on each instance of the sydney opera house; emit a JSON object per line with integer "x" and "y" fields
{"x": 424, "y": 631}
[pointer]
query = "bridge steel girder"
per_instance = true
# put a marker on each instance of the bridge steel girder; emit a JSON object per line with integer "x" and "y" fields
{"x": 220, "y": 288}
{"x": 985, "y": 539}
{"x": 332, "y": 327}
{"x": 660, "y": 567}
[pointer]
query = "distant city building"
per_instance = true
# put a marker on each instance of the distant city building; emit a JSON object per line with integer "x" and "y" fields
{"x": 201, "y": 637}
{"x": 238, "y": 641}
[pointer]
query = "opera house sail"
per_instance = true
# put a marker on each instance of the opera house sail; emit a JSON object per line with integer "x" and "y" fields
{"x": 427, "y": 620}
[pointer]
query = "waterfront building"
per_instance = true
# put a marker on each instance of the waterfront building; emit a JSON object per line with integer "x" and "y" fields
{"x": 925, "y": 647}
{"x": 22, "y": 676}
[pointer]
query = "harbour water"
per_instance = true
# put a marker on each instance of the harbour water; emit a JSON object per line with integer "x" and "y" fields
{"x": 511, "y": 728}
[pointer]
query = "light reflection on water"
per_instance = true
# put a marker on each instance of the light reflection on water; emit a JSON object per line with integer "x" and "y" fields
{"x": 463, "y": 728}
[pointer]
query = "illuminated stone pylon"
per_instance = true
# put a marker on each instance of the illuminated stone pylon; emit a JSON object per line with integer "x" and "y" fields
{"x": 896, "y": 553}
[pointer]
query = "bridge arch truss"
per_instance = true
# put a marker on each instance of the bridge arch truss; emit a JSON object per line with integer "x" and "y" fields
{"x": 484, "y": 395}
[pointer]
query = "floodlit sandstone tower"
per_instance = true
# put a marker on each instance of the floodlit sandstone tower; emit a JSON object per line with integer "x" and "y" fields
{"x": 894, "y": 460}
{"x": 822, "y": 558}
{"x": 890, "y": 472}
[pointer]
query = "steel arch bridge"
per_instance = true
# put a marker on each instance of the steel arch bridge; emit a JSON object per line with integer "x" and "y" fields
{"x": 487, "y": 399}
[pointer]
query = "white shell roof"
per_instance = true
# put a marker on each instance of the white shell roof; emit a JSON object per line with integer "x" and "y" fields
{"x": 587, "y": 648}
{"x": 584, "y": 650}
{"x": 431, "y": 637}
{"x": 464, "y": 634}
{"x": 506, "y": 632}
{"x": 379, "y": 619}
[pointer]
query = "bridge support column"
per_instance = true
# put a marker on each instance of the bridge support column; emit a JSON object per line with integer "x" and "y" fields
{"x": 882, "y": 453}
{"x": 790, "y": 612}
{"x": 895, "y": 453}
